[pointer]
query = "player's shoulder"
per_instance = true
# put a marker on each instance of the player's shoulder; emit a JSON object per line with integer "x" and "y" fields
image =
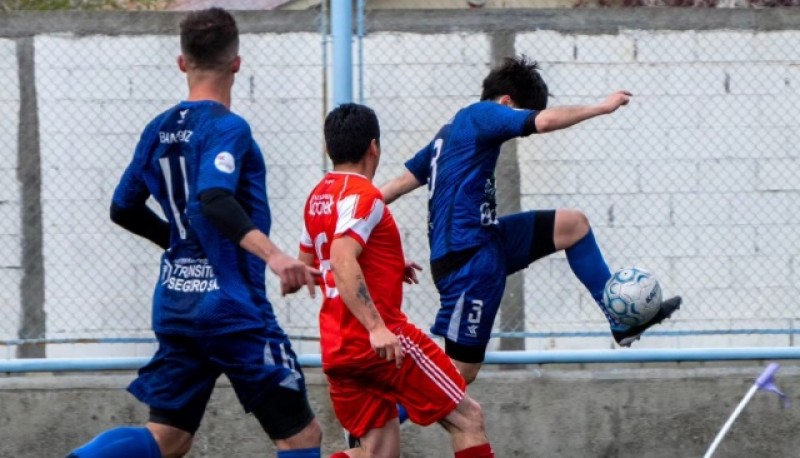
{"x": 479, "y": 110}
{"x": 150, "y": 133}
{"x": 352, "y": 185}
{"x": 158, "y": 121}
{"x": 364, "y": 186}
{"x": 486, "y": 106}
{"x": 226, "y": 119}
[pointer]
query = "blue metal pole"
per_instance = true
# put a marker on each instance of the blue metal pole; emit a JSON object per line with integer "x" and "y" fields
{"x": 342, "y": 31}
{"x": 496, "y": 357}
{"x": 360, "y": 28}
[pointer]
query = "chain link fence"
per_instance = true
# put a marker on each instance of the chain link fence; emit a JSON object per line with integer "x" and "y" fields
{"x": 694, "y": 180}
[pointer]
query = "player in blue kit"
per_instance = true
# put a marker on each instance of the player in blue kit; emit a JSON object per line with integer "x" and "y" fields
{"x": 469, "y": 243}
{"x": 211, "y": 314}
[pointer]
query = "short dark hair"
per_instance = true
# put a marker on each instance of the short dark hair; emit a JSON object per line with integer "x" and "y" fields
{"x": 349, "y": 130}
{"x": 209, "y": 38}
{"x": 519, "y": 78}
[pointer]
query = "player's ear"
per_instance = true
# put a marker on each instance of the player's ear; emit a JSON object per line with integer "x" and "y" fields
{"x": 506, "y": 100}
{"x": 182, "y": 63}
{"x": 237, "y": 63}
{"x": 375, "y": 147}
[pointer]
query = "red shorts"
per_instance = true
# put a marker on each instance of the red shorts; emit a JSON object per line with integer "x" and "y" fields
{"x": 428, "y": 385}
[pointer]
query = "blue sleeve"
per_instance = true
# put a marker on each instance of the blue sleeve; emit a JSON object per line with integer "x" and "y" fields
{"x": 222, "y": 156}
{"x": 498, "y": 123}
{"x": 420, "y": 164}
{"x": 132, "y": 190}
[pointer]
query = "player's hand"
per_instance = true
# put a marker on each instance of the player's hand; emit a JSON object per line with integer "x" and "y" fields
{"x": 410, "y": 275}
{"x": 386, "y": 345}
{"x": 293, "y": 273}
{"x": 616, "y": 100}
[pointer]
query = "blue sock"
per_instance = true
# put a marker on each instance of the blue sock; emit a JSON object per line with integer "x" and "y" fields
{"x": 300, "y": 453}
{"x": 588, "y": 264}
{"x": 122, "y": 442}
{"x": 402, "y": 414}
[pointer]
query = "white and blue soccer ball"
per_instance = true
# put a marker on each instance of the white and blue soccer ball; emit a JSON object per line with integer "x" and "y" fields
{"x": 632, "y": 296}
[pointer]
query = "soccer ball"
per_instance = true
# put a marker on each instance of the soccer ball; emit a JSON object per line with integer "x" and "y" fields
{"x": 632, "y": 296}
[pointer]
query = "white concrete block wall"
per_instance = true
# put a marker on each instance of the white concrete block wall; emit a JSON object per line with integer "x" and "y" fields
{"x": 10, "y": 230}
{"x": 9, "y": 123}
{"x": 572, "y": 79}
{"x": 547, "y": 46}
{"x": 725, "y": 46}
{"x": 703, "y": 209}
{"x": 436, "y": 49}
{"x": 694, "y": 180}
{"x": 99, "y": 51}
{"x": 713, "y": 162}
{"x": 777, "y": 174}
{"x": 605, "y": 48}
{"x": 665, "y": 46}
{"x": 9, "y": 82}
{"x": 291, "y": 49}
{"x": 392, "y": 80}
{"x": 784, "y": 116}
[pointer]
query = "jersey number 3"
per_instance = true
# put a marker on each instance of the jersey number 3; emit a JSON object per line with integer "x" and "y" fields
{"x": 437, "y": 150}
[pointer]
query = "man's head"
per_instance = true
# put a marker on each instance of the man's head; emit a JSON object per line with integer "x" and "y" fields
{"x": 209, "y": 41}
{"x": 519, "y": 79}
{"x": 352, "y": 133}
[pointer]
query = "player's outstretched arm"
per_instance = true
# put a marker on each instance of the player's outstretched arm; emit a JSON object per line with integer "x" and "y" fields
{"x": 352, "y": 287}
{"x": 225, "y": 213}
{"x": 399, "y": 186}
{"x": 293, "y": 273}
{"x": 556, "y": 118}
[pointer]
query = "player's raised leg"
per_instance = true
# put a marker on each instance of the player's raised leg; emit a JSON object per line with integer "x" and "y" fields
{"x": 573, "y": 234}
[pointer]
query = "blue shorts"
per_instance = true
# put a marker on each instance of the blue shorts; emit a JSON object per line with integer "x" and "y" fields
{"x": 182, "y": 373}
{"x": 470, "y": 295}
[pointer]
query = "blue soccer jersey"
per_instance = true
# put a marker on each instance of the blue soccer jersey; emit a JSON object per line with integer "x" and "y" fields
{"x": 458, "y": 166}
{"x": 207, "y": 285}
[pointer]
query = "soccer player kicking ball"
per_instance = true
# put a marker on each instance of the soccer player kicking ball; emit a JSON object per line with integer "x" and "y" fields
{"x": 211, "y": 314}
{"x": 469, "y": 244}
{"x": 373, "y": 357}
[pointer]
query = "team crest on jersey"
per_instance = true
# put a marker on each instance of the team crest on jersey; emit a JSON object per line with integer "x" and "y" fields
{"x": 224, "y": 162}
{"x": 320, "y": 205}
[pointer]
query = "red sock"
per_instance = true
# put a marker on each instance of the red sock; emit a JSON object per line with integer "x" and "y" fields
{"x": 340, "y": 455}
{"x": 478, "y": 451}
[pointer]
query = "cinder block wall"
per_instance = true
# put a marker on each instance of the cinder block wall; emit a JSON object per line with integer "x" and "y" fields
{"x": 700, "y": 147}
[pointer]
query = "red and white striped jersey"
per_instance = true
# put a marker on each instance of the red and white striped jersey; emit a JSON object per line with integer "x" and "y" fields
{"x": 349, "y": 205}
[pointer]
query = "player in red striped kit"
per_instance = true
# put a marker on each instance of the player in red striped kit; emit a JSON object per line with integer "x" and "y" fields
{"x": 373, "y": 357}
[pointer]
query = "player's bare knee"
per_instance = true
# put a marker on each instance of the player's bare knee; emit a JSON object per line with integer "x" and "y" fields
{"x": 310, "y": 436}
{"x": 288, "y": 420}
{"x": 571, "y": 226}
{"x": 473, "y": 414}
{"x": 581, "y": 222}
{"x": 470, "y": 375}
{"x": 172, "y": 442}
{"x": 178, "y": 450}
{"x": 468, "y": 370}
